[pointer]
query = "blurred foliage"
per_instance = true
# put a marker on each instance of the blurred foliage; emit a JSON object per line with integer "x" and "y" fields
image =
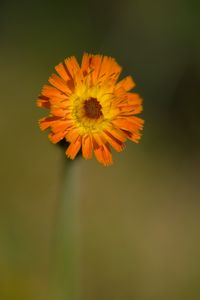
{"x": 139, "y": 218}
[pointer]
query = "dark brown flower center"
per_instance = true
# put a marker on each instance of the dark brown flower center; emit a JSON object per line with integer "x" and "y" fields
{"x": 92, "y": 108}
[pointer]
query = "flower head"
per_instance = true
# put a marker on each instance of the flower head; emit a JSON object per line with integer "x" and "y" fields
{"x": 90, "y": 108}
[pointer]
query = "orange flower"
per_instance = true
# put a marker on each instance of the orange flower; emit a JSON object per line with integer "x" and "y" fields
{"x": 90, "y": 109}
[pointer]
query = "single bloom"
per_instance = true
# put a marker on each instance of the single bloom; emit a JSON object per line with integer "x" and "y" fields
{"x": 90, "y": 108}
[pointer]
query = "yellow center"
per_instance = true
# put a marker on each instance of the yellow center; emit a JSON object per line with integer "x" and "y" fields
{"x": 92, "y": 108}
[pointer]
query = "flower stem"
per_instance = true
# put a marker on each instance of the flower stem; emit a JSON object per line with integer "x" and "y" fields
{"x": 67, "y": 234}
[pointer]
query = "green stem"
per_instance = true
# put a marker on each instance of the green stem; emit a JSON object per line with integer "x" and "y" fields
{"x": 68, "y": 235}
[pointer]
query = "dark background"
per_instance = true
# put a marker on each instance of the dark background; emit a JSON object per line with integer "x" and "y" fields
{"x": 139, "y": 233}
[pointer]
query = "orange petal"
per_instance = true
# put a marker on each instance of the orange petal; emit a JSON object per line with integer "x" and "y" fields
{"x": 129, "y": 110}
{"x": 138, "y": 121}
{"x": 110, "y": 70}
{"x": 99, "y": 154}
{"x": 74, "y": 148}
{"x": 47, "y": 122}
{"x": 125, "y": 123}
{"x": 96, "y": 66}
{"x": 72, "y": 66}
{"x": 43, "y": 101}
{"x": 60, "y": 84}
{"x": 107, "y": 155}
{"x": 72, "y": 135}
{"x": 87, "y": 147}
{"x": 63, "y": 71}
{"x": 134, "y": 98}
{"x": 135, "y": 137}
{"x": 62, "y": 103}
{"x": 130, "y": 104}
{"x": 134, "y": 134}
{"x": 57, "y": 111}
{"x": 99, "y": 139}
{"x": 61, "y": 125}
{"x": 50, "y": 91}
{"x": 115, "y": 143}
{"x": 102, "y": 150}
{"x": 86, "y": 62}
{"x": 103, "y": 155}
{"x": 117, "y": 134}
{"x": 127, "y": 83}
{"x": 56, "y": 137}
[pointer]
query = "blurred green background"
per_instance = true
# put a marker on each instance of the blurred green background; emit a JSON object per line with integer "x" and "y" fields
{"x": 139, "y": 220}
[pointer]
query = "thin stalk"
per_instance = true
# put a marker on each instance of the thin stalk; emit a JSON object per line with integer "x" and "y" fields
{"x": 67, "y": 233}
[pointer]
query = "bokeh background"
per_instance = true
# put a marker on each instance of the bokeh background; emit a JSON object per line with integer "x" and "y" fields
{"x": 138, "y": 232}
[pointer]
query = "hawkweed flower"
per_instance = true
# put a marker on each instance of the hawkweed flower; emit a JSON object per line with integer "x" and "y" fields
{"x": 90, "y": 108}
